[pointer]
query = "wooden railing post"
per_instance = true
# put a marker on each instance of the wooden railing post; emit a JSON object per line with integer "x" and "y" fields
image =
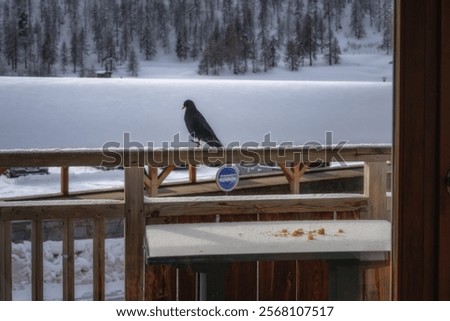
{"x": 192, "y": 173}
{"x": 65, "y": 181}
{"x": 99, "y": 259}
{"x": 37, "y": 265}
{"x": 134, "y": 233}
{"x": 5, "y": 262}
{"x": 293, "y": 175}
{"x": 375, "y": 187}
{"x": 69, "y": 261}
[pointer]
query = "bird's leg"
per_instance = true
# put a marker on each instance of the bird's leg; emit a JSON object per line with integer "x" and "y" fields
{"x": 197, "y": 142}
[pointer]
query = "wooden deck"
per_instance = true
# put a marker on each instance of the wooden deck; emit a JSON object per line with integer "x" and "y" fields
{"x": 364, "y": 190}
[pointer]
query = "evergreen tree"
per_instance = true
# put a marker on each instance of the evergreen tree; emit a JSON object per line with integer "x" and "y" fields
{"x": 83, "y": 49}
{"x": 292, "y": 59}
{"x": 386, "y": 43}
{"x": 309, "y": 40}
{"x": 197, "y": 31}
{"x": 182, "y": 46}
{"x": 63, "y": 56}
{"x": 74, "y": 51}
{"x": 133, "y": 63}
{"x": 332, "y": 49}
{"x": 147, "y": 43}
{"x": 263, "y": 22}
{"x": 212, "y": 59}
{"x": 357, "y": 20}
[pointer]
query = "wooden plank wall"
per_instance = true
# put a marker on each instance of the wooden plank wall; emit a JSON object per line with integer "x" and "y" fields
{"x": 265, "y": 281}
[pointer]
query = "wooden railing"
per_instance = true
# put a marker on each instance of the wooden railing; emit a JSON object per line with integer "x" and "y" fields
{"x": 138, "y": 209}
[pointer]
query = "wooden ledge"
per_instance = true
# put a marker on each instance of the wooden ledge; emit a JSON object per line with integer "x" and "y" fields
{"x": 253, "y": 204}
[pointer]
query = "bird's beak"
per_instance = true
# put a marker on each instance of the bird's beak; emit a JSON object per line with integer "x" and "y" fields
{"x": 183, "y": 107}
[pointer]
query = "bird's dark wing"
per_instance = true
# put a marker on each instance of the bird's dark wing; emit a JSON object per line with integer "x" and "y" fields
{"x": 199, "y": 128}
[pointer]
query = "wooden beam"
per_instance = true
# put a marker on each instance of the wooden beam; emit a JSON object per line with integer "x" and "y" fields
{"x": 293, "y": 175}
{"x": 253, "y": 204}
{"x": 37, "y": 261}
{"x": 375, "y": 186}
{"x": 162, "y": 157}
{"x": 99, "y": 259}
{"x": 192, "y": 173}
{"x": 164, "y": 174}
{"x": 69, "y": 261}
{"x": 134, "y": 234}
{"x": 153, "y": 181}
{"x": 58, "y": 209}
{"x": 5, "y": 263}
{"x": 65, "y": 181}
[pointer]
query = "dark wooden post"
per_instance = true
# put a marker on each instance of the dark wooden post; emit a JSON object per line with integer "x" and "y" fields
{"x": 65, "y": 181}
{"x": 134, "y": 233}
{"x": 5, "y": 263}
{"x": 192, "y": 173}
{"x": 99, "y": 258}
{"x": 69, "y": 260}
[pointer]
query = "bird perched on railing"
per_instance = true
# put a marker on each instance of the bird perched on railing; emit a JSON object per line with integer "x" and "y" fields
{"x": 198, "y": 127}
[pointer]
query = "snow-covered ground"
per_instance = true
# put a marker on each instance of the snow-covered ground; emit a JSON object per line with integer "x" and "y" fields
{"x": 350, "y": 100}
{"x": 53, "y": 260}
{"x": 73, "y": 112}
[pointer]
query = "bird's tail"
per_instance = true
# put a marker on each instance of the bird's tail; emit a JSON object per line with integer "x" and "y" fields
{"x": 214, "y": 143}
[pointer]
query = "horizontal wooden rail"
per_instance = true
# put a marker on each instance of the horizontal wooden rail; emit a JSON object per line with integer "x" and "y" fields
{"x": 161, "y": 157}
{"x": 60, "y": 209}
{"x": 253, "y": 204}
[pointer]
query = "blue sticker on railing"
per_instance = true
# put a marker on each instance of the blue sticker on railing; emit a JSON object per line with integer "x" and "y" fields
{"x": 227, "y": 177}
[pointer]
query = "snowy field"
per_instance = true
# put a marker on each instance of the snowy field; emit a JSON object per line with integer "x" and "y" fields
{"x": 356, "y": 105}
{"x": 350, "y": 100}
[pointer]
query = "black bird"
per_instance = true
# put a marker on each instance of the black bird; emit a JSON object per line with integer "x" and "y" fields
{"x": 198, "y": 127}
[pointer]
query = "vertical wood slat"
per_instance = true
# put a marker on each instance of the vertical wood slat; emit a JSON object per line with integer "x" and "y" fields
{"x": 154, "y": 181}
{"x": 65, "y": 181}
{"x": 242, "y": 277}
{"x": 192, "y": 173}
{"x": 312, "y": 280}
{"x": 160, "y": 283}
{"x": 444, "y": 223}
{"x": 37, "y": 265}
{"x": 69, "y": 261}
{"x": 99, "y": 259}
{"x": 277, "y": 280}
{"x": 5, "y": 263}
{"x": 3, "y": 276}
{"x": 375, "y": 187}
{"x": 134, "y": 233}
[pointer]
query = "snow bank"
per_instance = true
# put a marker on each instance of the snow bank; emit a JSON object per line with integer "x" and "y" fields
{"x": 53, "y": 262}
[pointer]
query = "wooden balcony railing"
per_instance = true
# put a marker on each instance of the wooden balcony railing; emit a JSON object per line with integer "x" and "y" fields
{"x": 137, "y": 209}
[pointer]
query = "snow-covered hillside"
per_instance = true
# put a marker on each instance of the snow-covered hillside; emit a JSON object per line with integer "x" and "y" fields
{"x": 83, "y": 37}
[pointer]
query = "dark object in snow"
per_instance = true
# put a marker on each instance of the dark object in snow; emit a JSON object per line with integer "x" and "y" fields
{"x": 23, "y": 171}
{"x": 198, "y": 127}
